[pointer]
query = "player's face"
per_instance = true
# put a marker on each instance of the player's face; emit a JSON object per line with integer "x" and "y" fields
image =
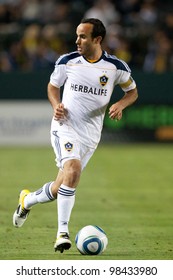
{"x": 86, "y": 45}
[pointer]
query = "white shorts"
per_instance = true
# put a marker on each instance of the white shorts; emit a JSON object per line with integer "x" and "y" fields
{"x": 67, "y": 146}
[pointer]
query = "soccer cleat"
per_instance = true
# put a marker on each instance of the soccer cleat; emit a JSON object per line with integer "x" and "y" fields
{"x": 62, "y": 243}
{"x": 21, "y": 213}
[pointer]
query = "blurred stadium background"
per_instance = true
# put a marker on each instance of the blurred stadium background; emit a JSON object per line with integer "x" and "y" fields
{"x": 137, "y": 213}
{"x": 33, "y": 34}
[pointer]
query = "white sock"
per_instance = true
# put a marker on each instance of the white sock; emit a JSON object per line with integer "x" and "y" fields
{"x": 65, "y": 200}
{"x": 42, "y": 195}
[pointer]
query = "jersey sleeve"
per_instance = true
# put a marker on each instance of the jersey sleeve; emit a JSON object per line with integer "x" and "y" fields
{"x": 124, "y": 77}
{"x": 128, "y": 85}
{"x": 58, "y": 76}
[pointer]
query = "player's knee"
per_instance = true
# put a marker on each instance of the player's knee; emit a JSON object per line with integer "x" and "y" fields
{"x": 72, "y": 172}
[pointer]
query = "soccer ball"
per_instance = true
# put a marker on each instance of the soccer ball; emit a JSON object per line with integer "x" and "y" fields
{"x": 91, "y": 240}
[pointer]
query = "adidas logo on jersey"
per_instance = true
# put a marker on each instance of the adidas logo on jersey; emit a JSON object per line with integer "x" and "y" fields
{"x": 79, "y": 62}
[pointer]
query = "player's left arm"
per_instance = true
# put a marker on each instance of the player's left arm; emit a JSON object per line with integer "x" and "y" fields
{"x": 116, "y": 110}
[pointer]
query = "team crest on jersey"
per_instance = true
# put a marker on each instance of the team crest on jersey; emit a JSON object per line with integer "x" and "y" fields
{"x": 103, "y": 80}
{"x": 68, "y": 146}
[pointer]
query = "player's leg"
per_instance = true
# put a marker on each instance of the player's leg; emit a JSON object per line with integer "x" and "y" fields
{"x": 28, "y": 199}
{"x": 66, "y": 195}
{"x": 46, "y": 193}
{"x": 65, "y": 202}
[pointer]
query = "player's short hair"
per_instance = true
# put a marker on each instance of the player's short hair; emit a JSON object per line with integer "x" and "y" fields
{"x": 98, "y": 27}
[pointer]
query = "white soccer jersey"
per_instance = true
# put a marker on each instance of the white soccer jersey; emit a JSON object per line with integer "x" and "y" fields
{"x": 87, "y": 91}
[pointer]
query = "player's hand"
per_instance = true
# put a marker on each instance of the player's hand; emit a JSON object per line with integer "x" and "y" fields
{"x": 60, "y": 112}
{"x": 115, "y": 111}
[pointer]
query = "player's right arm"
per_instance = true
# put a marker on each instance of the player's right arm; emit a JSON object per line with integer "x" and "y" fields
{"x": 54, "y": 97}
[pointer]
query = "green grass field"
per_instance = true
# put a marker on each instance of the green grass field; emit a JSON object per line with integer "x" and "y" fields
{"x": 125, "y": 189}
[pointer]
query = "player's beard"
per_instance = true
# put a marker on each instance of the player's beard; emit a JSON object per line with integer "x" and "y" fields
{"x": 85, "y": 51}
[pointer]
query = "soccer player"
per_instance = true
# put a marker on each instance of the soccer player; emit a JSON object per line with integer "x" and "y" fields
{"x": 89, "y": 76}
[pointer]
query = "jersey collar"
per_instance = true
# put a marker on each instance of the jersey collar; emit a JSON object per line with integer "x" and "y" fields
{"x": 95, "y": 61}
